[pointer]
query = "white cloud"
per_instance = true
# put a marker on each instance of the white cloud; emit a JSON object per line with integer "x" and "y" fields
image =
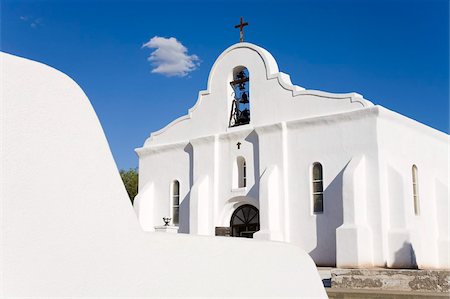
{"x": 33, "y": 22}
{"x": 170, "y": 57}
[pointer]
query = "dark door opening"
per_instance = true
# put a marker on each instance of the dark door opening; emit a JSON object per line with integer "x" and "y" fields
{"x": 244, "y": 221}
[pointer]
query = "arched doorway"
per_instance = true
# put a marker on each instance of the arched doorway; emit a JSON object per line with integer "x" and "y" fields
{"x": 244, "y": 221}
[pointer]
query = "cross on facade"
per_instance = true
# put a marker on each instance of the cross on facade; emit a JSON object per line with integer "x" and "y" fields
{"x": 238, "y": 145}
{"x": 241, "y": 29}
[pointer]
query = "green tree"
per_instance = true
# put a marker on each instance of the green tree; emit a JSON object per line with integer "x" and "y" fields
{"x": 130, "y": 180}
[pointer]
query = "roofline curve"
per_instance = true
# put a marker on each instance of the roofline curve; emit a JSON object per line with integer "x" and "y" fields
{"x": 272, "y": 72}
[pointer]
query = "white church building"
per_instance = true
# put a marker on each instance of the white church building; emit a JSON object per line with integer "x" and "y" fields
{"x": 352, "y": 183}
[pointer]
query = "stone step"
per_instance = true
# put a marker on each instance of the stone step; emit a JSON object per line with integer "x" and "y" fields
{"x": 334, "y": 293}
{"x": 401, "y": 280}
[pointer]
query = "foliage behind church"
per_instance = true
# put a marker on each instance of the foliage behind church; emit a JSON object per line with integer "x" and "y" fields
{"x": 130, "y": 180}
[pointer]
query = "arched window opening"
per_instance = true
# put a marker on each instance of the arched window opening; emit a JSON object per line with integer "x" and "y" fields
{"x": 241, "y": 175}
{"x": 244, "y": 221}
{"x": 240, "y": 107}
{"x": 175, "y": 202}
{"x": 415, "y": 190}
{"x": 317, "y": 187}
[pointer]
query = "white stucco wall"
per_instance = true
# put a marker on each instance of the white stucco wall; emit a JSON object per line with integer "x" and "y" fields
{"x": 403, "y": 143}
{"x": 290, "y": 129}
{"x": 332, "y": 141}
{"x": 68, "y": 229}
{"x": 173, "y": 162}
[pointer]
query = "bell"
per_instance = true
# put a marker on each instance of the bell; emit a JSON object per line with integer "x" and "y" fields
{"x": 244, "y": 99}
{"x": 244, "y": 117}
{"x": 240, "y": 75}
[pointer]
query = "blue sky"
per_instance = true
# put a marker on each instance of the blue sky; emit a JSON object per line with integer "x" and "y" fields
{"x": 395, "y": 53}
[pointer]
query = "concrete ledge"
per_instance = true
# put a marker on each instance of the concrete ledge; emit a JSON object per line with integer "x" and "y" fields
{"x": 334, "y": 293}
{"x": 166, "y": 229}
{"x": 437, "y": 281}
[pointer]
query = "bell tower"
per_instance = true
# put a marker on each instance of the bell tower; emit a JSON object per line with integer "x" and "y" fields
{"x": 240, "y": 107}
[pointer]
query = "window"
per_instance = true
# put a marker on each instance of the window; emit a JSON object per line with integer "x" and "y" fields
{"x": 240, "y": 105}
{"x": 244, "y": 221}
{"x": 415, "y": 190}
{"x": 175, "y": 202}
{"x": 317, "y": 188}
{"x": 241, "y": 172}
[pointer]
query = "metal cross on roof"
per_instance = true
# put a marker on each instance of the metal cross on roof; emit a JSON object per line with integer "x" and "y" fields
{"x": 241, "y": 29}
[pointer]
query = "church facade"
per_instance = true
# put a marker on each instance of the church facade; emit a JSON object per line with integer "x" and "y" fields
{"x": 352, "y": 183}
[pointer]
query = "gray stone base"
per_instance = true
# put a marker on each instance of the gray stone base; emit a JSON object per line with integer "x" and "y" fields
{"x": 391, "y": 280}
{"x": 334, "y": 293}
